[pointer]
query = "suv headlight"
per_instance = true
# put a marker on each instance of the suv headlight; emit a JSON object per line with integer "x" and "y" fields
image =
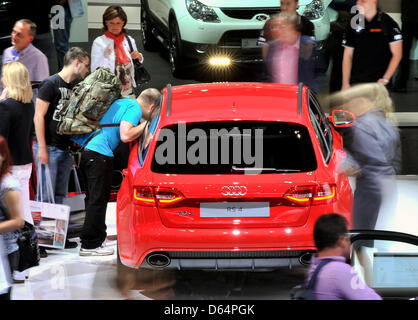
{"x": 201, "y": 12}
{"x": 314, "y": 10}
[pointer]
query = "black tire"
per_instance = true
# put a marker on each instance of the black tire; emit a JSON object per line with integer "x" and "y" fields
{"x": 178, "y": 63}
{"x": 149, "y": 41}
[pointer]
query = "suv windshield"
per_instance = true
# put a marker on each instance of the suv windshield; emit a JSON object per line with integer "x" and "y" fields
{"x": 233, "y": 147}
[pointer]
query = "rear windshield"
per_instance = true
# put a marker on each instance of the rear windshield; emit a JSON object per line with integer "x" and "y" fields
{"x": 244, "y": 147}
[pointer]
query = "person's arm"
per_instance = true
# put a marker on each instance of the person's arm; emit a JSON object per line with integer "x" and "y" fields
{"x": 347, "y": 65}
{"x": 39, "y": 120}
{"x": 98, "y": 55}
{"x": 42, "y": 69}
{"x": 13, "y": 203}
{"x": 351, "y": 287}
{"x": 129, "y": 132}
{"x": 135, "y": 54}
{"x": 396, "y": 49}
{"x": 366, "y": 148}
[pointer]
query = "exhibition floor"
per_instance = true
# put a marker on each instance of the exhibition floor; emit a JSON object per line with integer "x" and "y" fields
{"x": 64, "y": 275}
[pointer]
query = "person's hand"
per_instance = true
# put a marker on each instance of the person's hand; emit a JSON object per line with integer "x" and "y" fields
{"x": 383, "y": 81}
{"x": 137, "y": 55}
{"x": 352, "y": 172}
{"x": 43, "y": 156}
{"x": 345, "y": 86}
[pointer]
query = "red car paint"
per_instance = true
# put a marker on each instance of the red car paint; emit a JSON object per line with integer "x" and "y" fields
{"x": 146, "y": 225}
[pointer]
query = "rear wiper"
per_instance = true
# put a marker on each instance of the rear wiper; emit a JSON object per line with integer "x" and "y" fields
{"x": 252, "y": 169}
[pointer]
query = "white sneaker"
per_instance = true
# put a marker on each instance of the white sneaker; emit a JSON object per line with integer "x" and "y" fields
{"x": 99, "y": 251}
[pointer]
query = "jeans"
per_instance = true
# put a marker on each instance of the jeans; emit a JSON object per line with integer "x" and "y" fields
{"x": 60, "y": 164}
{"x": 62, "y": 39}
{"x": 97, "y": 171}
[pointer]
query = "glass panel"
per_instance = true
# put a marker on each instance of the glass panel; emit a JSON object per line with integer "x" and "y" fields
{"x": 389, "y": 267}
{"x": 234, "y": 148}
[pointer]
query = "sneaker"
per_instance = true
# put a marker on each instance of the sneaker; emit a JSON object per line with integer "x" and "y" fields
{"x": 19, "y": 277}
{"x": 70, "y": 244}
{"x": 99, "y": 251}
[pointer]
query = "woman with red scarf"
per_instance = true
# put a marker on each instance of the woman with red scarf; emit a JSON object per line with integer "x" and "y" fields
{"x": 112, "y": 49}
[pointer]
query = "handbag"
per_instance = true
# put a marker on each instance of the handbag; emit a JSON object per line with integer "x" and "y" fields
{"x": 75, "y": 200}
{"x": 141, "y": 74}
{"x": 50, "y": 219}
{"x": 28, "y": 248}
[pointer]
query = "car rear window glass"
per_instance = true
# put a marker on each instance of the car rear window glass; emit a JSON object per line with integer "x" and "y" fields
{"x": 233, "y": 148}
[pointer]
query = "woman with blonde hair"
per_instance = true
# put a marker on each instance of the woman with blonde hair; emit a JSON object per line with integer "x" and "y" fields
{"x": 373, "y": 147}
{"x": 16, "y": 125}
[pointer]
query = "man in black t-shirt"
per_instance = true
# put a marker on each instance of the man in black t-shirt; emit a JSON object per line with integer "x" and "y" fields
{"x": 372, "y": 51}
{"x": 52, "y": 149}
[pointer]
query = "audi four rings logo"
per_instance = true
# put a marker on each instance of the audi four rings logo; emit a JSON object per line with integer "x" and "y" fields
{"x": 234, "y": 190}
{"x": 261, "y": 17}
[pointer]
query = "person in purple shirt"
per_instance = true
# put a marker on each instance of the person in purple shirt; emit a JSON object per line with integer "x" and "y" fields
{"x": 22, "y": 50}
{"x": 336, "y": 280}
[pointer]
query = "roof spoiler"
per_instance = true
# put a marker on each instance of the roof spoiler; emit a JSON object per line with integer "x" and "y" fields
{"x": 300, "y": 91}
{"x": 168, "y": 99}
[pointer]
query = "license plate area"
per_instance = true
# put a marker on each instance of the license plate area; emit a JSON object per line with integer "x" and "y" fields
{"x": 249, "y": 43}
{"x": 234, "y": 209}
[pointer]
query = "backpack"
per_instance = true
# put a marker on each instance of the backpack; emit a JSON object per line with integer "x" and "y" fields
{"x": 89, "y": 101}
{"x": 307, "y": 290}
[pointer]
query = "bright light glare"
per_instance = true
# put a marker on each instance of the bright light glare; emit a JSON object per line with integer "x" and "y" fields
{"x": 220, "y": 62}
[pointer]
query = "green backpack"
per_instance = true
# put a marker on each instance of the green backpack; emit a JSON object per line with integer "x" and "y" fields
{"x": 89, "y": 101}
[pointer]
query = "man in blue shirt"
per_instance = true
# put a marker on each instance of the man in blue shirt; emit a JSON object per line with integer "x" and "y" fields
{"x": 97, "y": 164}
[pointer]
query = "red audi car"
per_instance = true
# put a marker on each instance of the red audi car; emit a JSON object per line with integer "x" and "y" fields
{"x": 234, "y": 177}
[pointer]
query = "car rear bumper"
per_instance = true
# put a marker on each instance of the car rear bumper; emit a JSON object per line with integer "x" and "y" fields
{"x": 225, "y": 260}
{"x": 185, "y": 248}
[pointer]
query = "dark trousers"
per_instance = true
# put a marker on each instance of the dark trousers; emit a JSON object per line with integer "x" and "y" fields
{"x": 409, "y": 32}
{"x": 97, "y": 172}
{"x": 62, "y": 38}
{"x": 6, "y": 296}
{"x": 367, "y": 202}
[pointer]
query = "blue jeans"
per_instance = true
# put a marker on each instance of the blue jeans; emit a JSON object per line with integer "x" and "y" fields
{"x": 60, "y": 164}
{"x": 62, "y": 39}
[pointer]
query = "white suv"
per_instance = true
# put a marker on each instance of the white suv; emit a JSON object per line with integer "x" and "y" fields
{"x": 223, "y": 29}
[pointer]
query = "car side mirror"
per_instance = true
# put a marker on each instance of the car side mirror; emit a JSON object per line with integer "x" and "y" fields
{"x": 342, "y": 118}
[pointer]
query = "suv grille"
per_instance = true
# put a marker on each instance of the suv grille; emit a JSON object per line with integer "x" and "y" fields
{"x": 248, "y": 13}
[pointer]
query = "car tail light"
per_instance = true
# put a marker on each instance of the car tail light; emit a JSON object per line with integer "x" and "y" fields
{"x": 300, "y": 195}
{"x": 144, "y": 196}
{"x": 167, "y": 196}
{"x": 311, "y": 195}
{"x": 163, "y": 196}
{"x": 324, "y": 194}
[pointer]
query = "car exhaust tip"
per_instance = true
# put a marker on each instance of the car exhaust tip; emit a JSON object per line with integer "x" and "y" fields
{"x": 305, "y": 258}
{"x": 158, "y": 260}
